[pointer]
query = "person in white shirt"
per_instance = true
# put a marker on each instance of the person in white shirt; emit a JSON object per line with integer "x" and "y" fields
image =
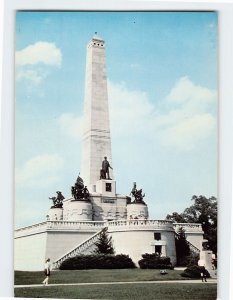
{"x": 47, "y": 268}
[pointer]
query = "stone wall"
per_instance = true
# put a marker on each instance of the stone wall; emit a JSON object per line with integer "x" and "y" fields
{"x": 137, "y": 242}
{"x": 30, "y": 252}
{"x": 59, "y": 243}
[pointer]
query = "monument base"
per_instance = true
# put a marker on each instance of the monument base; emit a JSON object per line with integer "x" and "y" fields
{"x": 55, "y": 213}
{"x": 206, "y": 259}
{"x": 77, "y": 210}
{"x": 137, "y": 211}
{"x": 106, "y": 187}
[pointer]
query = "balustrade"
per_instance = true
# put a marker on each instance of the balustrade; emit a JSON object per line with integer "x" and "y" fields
{"x": 188, "y": 227}
{"x": 112, "y": 225}
{"x": 36, "y": 228}
{"x": 130, "y": 224}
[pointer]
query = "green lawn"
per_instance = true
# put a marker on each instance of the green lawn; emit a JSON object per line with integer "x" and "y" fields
{"x": 135, "y": 291}
{"x": 80, "y": 276}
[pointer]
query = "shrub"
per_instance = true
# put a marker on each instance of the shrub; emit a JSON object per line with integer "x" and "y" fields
{"x": 82, "y": 262}
{"x": 192, "y": 260}
{"x": 104, "y": 244}
{"x": 193, "y": 272}
{"x": 153, "y": 261}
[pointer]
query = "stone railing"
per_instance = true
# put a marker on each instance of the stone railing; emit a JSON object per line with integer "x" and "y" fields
{"x": 139, "y": 225}
{"x": 61, "y": 226}
{"x": 28, "y": 230}
{"x": 78, "y": 249}
{"x": 75, "y": 225}
{"x": 188, "y": 227}
{"x": 193, "y": 248}
{"x": 95, "y": 226}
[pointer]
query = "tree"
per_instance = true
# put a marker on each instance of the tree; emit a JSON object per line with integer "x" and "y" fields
{"x": 182, "y": 247}
{"x": 176, "y": 218}
{"x": 104, "y": 244}
{"x": 204, "y": 211}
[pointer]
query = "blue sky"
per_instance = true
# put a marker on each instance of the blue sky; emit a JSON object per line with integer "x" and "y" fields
{"x": 162, "y": 85}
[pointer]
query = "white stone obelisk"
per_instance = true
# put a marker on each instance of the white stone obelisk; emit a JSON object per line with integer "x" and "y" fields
{"x": 96, "y": 143}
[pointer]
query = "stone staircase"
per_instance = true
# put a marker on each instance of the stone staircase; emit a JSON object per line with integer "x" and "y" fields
{"x": 79, "y": 249}
{"x": 193, "y": 248}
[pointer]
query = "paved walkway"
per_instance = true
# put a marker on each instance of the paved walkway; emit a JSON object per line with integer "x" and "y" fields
{"x": 210, "y": 281}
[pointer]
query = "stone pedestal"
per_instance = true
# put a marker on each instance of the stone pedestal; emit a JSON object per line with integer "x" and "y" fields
{"x": 106, "y": 187}
{"x": 206, "y": 259}
{"x": 55, "y": 214}
{"x": 137, "y": 210}
{"x": 77, "y": 210}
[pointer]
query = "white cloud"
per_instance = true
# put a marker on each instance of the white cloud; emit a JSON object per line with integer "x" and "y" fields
{"x": 186, "y": 92}
{"x": 187, "y": 132}
{"x": 40, "y": 52}
{"x": 32, "y": 75}
{"x": 71, "y": 125}
{"x": 39, "y": 171}
{"x": 130, "y": 111}
{"x": 183, "y": 120}
{"x": 189, "y": 119}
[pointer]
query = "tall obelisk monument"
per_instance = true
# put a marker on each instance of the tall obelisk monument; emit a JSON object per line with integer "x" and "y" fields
{"x": 96, "y": 143}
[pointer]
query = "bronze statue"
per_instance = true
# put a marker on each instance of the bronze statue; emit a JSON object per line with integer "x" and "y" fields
{"x": 54, "y": 200}
{"x": 86, "y": 193}
{"x": 57, "y": 201}
{"x": 137, "y": 194}
{"x": 79, "y": 191}
{"x": 102, "y": 174}
{"x": 105, "y": 169}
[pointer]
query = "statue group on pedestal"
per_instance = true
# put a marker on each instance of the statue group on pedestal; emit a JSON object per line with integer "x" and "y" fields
{"x": 104, "y": 172}
{"x": 79, "y": 191}
{"x": 57, "y": 200}
{"x": 137, "y": 194}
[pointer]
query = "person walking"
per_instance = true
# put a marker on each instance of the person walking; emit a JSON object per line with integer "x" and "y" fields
{"x": 47, "y": 268}
{"x": 203, "y": 274}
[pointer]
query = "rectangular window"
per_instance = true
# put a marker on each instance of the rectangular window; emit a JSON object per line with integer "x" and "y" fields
{"x": 108, "y": 187}
{"x": 157, "y": 236}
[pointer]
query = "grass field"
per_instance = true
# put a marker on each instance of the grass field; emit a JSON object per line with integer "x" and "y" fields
{"x": 80, "y": 276}
{"x": 135, "y": 291}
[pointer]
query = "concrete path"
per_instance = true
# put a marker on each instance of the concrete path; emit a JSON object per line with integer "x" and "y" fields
{"x": 117, "y": 282}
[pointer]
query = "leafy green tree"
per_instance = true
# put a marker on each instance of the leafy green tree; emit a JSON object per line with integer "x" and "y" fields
{"x": 104, "y": 244}
{"x": 182, "y": 247}
{"x": 204, "y": 211}
{"x": 176, "y": 217}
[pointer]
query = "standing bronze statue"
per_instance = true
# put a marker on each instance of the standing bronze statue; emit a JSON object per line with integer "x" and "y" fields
{"x": 104, "y": 172}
